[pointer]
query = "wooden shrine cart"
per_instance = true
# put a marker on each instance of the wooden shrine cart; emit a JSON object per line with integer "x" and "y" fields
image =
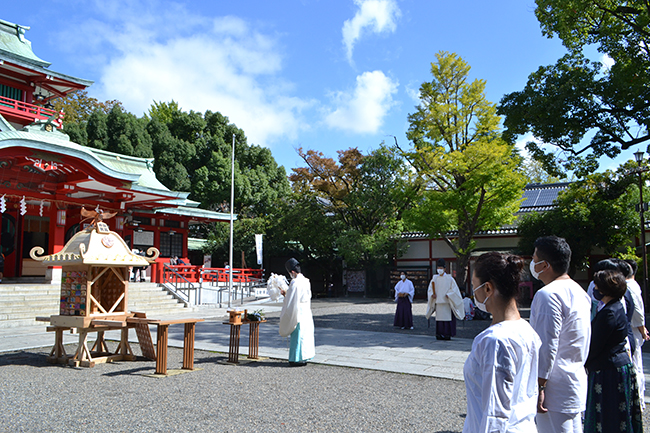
{"x": 94, "y": 294}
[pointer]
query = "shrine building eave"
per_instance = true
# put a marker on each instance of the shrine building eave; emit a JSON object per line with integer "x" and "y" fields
{"x": 90, "y": 172}
{"x": 196, "y": 214}
{"x": 14, "y": 143}
{"x": 18, "y": 62}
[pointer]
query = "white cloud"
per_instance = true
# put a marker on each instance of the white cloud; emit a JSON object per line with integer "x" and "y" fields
{"x": 607, "y": 62}
{"x": 221, "y": 64}
{"x": 363, "y": 109}
{"x": 375, "y": 15}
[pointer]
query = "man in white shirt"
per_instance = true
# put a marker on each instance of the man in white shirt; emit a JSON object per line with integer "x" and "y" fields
{"x": 560, "y": 314}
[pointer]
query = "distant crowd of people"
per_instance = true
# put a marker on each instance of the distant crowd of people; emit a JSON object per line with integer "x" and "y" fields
{"x": 576, "y": 364}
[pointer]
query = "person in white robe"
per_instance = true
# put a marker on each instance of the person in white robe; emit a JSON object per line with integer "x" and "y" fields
{"x": 404, "y": 292}
{"x": 638, "y": 327}
{"x": 560, "y": 314}
{"x": 445, "y": 300}
{"x": 501, "y": 370}
{"x": 296, "y": 319}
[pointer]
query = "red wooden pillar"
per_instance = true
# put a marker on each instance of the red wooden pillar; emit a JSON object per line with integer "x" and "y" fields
{"x": 56, "y": 237}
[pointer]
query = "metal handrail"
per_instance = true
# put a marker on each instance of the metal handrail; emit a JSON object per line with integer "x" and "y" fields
{"x": 172, "y": 284}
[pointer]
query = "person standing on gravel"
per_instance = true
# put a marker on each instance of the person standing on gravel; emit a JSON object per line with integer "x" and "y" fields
{"x": 445, "y": 299}
{"x": 501, "y": 370}
{"x": 296, "y": 319}
{"x": 404, "y": 292}
{"x": 560, "y": 314}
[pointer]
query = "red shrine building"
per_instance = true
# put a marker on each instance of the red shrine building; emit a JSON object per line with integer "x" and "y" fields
{"x": 45, "y": 179}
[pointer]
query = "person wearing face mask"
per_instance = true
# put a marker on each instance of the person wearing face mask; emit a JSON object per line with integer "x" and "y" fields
{"x": 560, "y": 314}
{"x": 296, "y": 319}
{"x": 501, "y": 370}
{"x": 445, "y": 300}
{"x": 404, "y": 292}
{"x": 613, "y": 402}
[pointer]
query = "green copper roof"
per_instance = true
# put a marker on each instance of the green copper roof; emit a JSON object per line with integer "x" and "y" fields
{"x": 14, "y": 43}
{"x": 138, "y": 171}
{"x": 196, "y": 213}
{"x": 195, "y": 244}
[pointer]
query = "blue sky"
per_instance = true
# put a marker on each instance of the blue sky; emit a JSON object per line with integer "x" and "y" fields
{"x": 318, "y": 74}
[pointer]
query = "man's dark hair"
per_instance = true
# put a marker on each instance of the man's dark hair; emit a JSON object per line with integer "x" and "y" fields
{"x": 555, "y": 251}
{"x": 633, "y": 265}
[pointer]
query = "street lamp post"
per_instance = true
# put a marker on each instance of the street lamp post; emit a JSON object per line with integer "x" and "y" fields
{"x": 639, "y": 159}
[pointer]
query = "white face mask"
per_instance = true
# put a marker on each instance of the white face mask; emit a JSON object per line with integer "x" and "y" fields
{"x": 403, "y": 277}
{"x": 534, "y": 273}
{"x": 480, "y": 305}
{"x": 441, "y": 271}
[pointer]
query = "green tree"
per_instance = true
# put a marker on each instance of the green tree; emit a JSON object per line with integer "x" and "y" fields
{"x": 582, "y": 109}
{"x": 535, "y": 173}
{"x": 364, "y": 196}
{"x": 78, "y": 106}
{"x": 472, "y": 177}
{"x": 595, "y": 212}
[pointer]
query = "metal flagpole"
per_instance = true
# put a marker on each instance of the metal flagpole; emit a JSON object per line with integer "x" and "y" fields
{"x": 232, "y": 203}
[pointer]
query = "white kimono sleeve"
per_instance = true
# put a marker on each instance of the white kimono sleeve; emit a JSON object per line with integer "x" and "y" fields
{"x": 431, "y": 304}
{"x": 498, "y": 384}
{"x": 289, "y": 314}
{"x": 546, "y": 320}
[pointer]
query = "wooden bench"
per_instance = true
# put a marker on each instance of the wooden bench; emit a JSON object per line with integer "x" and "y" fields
{"x": 162, "y": 336}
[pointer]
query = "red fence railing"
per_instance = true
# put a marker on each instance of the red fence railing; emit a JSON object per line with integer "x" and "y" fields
{"x": 27, "y": 111}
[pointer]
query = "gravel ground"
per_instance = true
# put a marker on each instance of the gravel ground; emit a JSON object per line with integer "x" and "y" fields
{"x": 263, "y": 396}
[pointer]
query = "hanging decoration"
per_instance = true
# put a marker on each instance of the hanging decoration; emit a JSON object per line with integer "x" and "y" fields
{"x": 23, "y": 206}
{"x": 3, "y": 204}
{"x": 97, "y": 209}
{"x": 40, "y": 209}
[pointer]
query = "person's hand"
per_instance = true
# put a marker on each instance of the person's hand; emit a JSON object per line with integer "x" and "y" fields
{"x": 644, "y": 333}
{"x": 283, "y": 292}
{"x": 540, "y": 402}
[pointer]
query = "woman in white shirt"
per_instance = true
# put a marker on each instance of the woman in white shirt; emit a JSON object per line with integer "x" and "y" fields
{"x": 501, "y": 371}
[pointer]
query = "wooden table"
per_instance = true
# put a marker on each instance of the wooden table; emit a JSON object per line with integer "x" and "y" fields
{"x": 253, "y": 339}
{"x": 162, "y": 336}
{"x": 99, "y": 353}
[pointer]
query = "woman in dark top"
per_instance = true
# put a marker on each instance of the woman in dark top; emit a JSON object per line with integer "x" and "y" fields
{"x": 613, "y": 403}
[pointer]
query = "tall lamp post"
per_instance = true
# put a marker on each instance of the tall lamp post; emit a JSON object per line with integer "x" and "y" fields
{"x": 639, "y": 159}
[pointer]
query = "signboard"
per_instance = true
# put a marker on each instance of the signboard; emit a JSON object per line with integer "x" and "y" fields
{"x": 143, "y": 238}
{"x": 258, "y": 248}
{"x": 356, "y": 281}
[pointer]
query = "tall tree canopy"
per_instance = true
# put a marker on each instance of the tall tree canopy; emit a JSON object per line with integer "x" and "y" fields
{"x": 472, "y": 176}
{"x": 364, "y": 196}
{"x": 192, "y": 153}
{"x": 595, "y": 212}
{"x": 581, "y": 108}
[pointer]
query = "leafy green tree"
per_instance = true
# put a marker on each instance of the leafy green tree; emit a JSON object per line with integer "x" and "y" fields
{"x": 535, "y": 173}
{"x": 78, "y": 106}
{"x": 582, "y": 109}
{"x": 596, "y": 212}
{"x": 364, "y": 196}
{"x": 472, "y": 177}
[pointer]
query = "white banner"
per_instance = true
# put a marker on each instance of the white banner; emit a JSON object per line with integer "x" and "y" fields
{"x": 258, "y": 248}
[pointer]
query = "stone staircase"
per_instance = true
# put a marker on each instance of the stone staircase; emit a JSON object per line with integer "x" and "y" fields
{"x": 21, "y": 302}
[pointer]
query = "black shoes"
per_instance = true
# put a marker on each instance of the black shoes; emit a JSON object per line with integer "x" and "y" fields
{"x": 297, "y": 364}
